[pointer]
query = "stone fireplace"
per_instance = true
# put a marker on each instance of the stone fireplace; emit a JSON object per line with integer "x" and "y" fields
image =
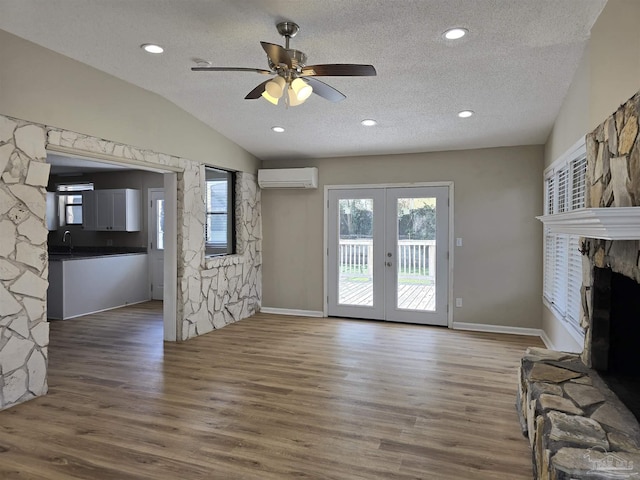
{"x": 615, "y": 329}
{"x": 581, "y": 412}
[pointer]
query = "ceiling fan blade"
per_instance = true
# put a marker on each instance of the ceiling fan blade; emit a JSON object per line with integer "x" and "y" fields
{"x": 338, "y": 70}
{"x": 276, "y": 53}
{"x": 256, "y": 92}
{"x": 325, "y": 91}
{"x": 231, "y": 69}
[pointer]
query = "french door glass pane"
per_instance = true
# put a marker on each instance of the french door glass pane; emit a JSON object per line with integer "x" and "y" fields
{"x": 355, "y": 252}
{"x": 416, "y": 256}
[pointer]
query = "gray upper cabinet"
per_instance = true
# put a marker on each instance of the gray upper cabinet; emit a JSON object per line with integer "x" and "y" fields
{"x": 115, "y": 210}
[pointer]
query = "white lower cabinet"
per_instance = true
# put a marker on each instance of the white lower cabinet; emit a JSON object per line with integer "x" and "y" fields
{"x": 80, "y": 286}
{"x": 115, "y": 210}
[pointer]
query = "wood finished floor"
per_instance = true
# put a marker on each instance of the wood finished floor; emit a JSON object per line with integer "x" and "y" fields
{"x": 270, "y": 397}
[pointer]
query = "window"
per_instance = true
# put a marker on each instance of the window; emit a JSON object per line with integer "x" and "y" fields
{"x": 220, "y": 221}
{"x": 564, "y": 191}
{"x": 70, "y": 202}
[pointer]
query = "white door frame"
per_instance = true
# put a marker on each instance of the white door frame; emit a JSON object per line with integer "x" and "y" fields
{"x": 170, "y": 302}
{"x": 325, "y": 261}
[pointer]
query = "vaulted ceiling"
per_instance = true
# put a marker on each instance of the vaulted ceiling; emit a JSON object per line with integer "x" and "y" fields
{"x": 512, "y": 69}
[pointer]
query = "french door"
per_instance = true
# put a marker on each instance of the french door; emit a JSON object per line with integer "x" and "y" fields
{"x": 388, "y": 253}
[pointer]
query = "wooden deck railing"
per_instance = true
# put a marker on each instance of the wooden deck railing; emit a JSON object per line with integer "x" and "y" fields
{"x": 414, "y": 257}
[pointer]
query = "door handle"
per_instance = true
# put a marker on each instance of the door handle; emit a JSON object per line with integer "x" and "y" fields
{"x": 389, "y": 264}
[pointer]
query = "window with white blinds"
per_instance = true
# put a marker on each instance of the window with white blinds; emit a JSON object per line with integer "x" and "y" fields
{"x": 564, "y": 191}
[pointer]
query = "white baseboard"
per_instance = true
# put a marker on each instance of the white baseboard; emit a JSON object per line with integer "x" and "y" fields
{"x": 482, "y": 327}
{"x": 474, "y": 327}
{"x": 289, "y": 311}
{"x": 547, "y": 341}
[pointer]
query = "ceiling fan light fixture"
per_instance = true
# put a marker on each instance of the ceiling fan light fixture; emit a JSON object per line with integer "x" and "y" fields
{"x": 302, "y": 89}
{"x": 269, "y": 98}
{"x": 293, "y": 100}
{"x": 275, "y": 87}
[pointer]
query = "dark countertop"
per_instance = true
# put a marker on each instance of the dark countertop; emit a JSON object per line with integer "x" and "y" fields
{"x": 58, "y": 254}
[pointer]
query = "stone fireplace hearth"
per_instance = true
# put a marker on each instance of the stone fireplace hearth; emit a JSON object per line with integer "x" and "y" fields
{"x": 577, "y": 409}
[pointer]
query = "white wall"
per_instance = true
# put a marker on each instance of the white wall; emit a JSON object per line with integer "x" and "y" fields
{"x": 45, "y": 87}
{"x": 497, "y": 195}
{"x": 608, "y": 76}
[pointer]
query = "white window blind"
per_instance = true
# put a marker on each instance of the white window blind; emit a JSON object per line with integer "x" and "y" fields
{"x": 565, "y": 188}
{"x": 574, "y": 281}
{"x": 549, "y": 264}
{"x": 550, "y": 192}
{"x": 578, "y": 187}
{"x": 560, "y": 266}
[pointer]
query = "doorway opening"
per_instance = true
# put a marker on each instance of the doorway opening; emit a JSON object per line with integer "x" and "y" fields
{"x": 121, "y": 179}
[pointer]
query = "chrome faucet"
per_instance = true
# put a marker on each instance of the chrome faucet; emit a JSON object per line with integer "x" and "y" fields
{"x": 67, "y": 236}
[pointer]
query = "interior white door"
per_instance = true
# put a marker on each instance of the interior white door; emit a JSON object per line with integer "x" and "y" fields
{"x": 156, "y": 243}
{"x": 388, "y": 254}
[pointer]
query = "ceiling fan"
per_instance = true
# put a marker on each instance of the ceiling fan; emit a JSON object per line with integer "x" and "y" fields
{"x": 291, "y": 73}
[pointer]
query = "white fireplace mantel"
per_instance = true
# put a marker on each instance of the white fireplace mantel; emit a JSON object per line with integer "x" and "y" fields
{"x": 613, "y": 223}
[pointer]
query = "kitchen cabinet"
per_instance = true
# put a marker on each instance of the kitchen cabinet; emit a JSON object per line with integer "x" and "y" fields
{"x": 114, "y": 210}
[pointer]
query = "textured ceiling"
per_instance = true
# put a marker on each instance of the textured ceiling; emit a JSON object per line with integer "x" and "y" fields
{"x": 513, "y": 69}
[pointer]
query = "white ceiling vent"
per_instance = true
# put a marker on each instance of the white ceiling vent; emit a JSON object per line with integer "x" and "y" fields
{"x": 288, "y": 177}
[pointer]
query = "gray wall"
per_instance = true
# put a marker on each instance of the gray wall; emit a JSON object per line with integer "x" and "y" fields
{"x": 497, "y": 271}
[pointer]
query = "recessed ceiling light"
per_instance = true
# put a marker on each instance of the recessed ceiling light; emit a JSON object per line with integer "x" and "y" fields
{"x": 151, "y": 48}
{"x": 369, "y": 122}
{"x": 277, "y": 129}
{"x": 465, "y": 113}
{"x": 455, "y": 33}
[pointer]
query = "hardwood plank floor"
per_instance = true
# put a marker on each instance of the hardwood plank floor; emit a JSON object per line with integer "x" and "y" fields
{"x": 270, "y": 397}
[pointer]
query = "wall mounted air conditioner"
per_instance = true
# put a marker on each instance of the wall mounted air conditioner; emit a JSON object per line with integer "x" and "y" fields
{"x": 288, "y": 177}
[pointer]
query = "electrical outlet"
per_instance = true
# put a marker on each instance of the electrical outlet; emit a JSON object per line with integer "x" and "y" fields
{"x": 458, "y": 302}
{"x": 459, "y": 242}
{"x": 109, "y": 243}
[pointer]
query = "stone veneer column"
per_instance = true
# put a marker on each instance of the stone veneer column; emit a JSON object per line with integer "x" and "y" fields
{"x": 217, "y": 291}
{"x": 24, "y": 331}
